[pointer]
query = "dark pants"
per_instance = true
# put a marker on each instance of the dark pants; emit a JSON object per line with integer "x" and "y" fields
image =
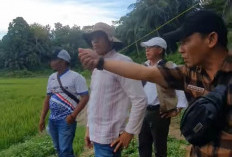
{"x": 154, "y": 130}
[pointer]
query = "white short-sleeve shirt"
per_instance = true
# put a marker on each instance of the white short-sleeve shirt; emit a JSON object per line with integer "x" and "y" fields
{"x": 61, "y": 104}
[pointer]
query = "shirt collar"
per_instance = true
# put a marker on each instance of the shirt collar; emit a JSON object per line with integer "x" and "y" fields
{"x": 148, "y": 62}
{"x": 64, "y": 72}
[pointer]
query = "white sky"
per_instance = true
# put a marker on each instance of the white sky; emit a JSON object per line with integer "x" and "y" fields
{"x": 67, "y": 12}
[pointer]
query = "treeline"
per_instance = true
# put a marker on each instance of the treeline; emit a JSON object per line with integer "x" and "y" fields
{"x": 149, "y": 15}
{"x": 29, "y": 47}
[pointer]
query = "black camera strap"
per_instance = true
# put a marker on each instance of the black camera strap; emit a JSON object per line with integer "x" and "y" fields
{"x": 67, "y": 92}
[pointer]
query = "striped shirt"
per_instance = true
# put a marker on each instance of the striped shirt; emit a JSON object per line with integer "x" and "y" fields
{"x": 61, "y": 104}
{"x": 196, "y": 82}
{"x": 111, "y": 99}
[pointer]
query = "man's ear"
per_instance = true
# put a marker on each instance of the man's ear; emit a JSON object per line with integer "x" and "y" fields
{"x": 160, "y": 51}
{"x": 212, "y": 39}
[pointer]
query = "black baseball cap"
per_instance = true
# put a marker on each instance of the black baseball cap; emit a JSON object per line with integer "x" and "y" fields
{"x": 200, "y": 21}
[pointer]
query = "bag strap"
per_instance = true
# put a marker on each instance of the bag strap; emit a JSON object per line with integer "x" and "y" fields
{"x": 67, "y": 92}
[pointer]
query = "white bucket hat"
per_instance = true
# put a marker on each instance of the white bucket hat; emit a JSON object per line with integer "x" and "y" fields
{"x": 100, "y": 26}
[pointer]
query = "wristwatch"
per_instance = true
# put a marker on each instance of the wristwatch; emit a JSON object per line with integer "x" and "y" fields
{"x": 100, "y": 63}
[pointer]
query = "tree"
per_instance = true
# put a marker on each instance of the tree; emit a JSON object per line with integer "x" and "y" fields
{"x": 18, "y": 46}
{"x": 69, "y": 39}
{"x": 148, "y": 15}
{"x": 42, "y": 42}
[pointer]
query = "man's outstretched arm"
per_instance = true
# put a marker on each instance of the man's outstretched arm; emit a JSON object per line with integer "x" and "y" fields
{"x": 90, "y": 60}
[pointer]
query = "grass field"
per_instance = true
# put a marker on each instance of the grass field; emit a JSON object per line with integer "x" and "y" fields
{"x": 21, "y": 103}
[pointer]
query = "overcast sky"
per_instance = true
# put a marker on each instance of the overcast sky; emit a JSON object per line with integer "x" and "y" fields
{"x": 67, "y": 12}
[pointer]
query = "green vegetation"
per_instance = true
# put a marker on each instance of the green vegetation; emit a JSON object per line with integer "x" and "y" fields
{"x": 21, "y": 102}
{"x": 176, "y": 148}
{"x": 41, "y": 146}
{"x": 29, "y": 46}
{"x": 38, "y": 146}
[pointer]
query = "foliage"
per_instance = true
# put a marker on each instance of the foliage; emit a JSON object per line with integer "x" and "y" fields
{"x": 27, "y": 47}
{"x": 176, "y": 148}
{"x": 175, "y": 57}
{"x": 41, "y": 145}
{"x": 25, "y": 73}
{"x": 137, "y": 57}
{"x": 223, "y": 8}
{"x": 148, "y": 15}
{"x": 38, "y": 146}
{"x": 17, "y": 45}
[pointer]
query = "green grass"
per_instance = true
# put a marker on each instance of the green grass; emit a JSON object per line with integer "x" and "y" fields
{"x": 21, "y": 102}
{"x": 41, "y": 146}
{"x": 37, "y": 146}
{"x": 176, "y": 148}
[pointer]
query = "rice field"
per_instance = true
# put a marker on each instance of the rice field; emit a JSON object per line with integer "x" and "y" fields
{"x": 21, "y": 102}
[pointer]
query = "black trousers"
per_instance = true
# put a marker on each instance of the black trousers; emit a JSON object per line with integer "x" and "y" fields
{"x": 154, "y": 131}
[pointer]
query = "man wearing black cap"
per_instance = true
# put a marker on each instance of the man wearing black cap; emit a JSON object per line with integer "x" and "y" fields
{"x": 203, "y": 46}
{"x": 63, "y": 89}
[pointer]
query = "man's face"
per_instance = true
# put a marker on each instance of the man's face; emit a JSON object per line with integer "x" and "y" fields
{"x": 153, "y": 52}
{"x": 194, "y": 50}
{"x": 55, "y": 64}
{"x": 100, "y": 44}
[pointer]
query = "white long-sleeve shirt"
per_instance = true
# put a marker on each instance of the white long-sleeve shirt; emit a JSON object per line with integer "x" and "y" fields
{"x": 152, "y": 95}
{"x": 112, "y": 96}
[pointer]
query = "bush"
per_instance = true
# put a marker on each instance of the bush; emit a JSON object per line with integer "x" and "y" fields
{"x": 41, "y": 146}
{"x": 175, "y": 57}
{"x": 176, "y": 148}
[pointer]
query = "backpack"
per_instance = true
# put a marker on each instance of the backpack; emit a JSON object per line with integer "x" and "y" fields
{"x": 204, "y": 119}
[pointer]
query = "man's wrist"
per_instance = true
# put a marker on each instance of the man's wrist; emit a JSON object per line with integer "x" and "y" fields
{"x": 73, "y": 117}
{"x": 100, "y": 63}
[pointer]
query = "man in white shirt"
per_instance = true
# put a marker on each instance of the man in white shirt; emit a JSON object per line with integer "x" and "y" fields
{"x": 111, "y": 98}
{"x": 62, "y": 100}
{"x": 155, "y": 126}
